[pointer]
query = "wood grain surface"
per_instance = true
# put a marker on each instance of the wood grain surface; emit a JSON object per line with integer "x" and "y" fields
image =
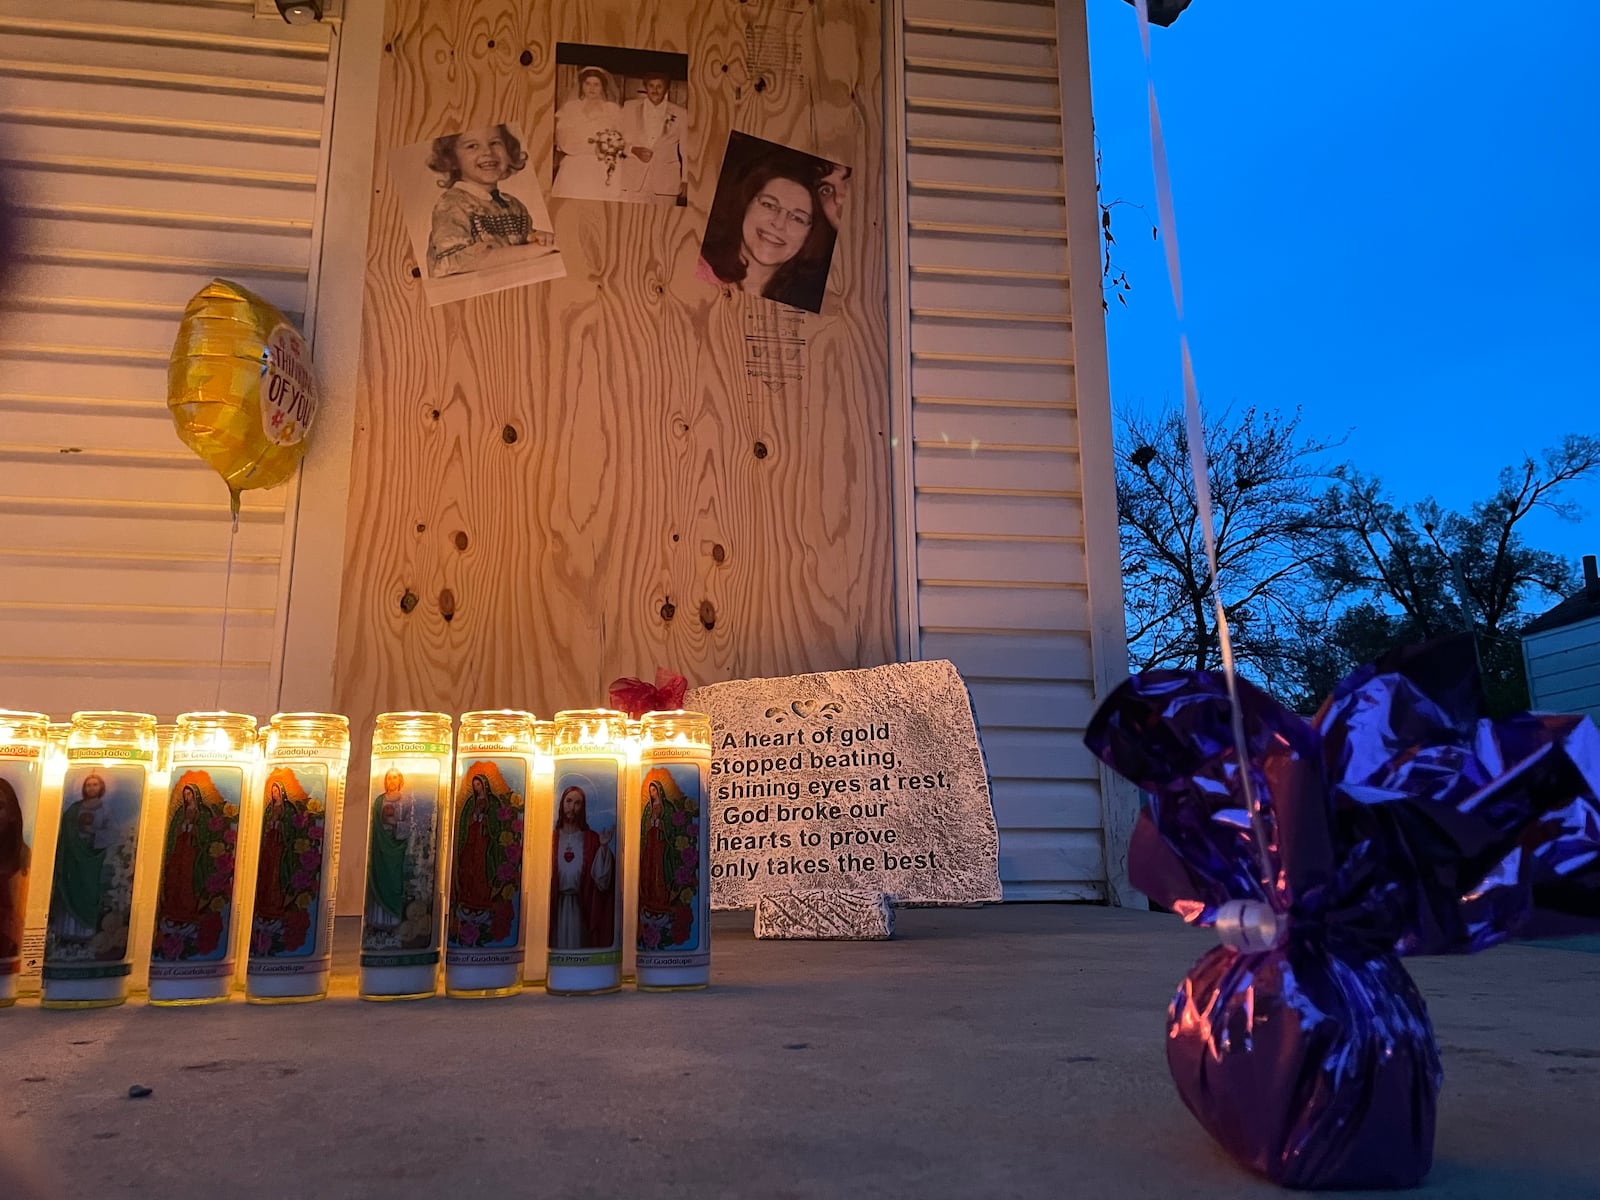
{"x": 559, "y": 484}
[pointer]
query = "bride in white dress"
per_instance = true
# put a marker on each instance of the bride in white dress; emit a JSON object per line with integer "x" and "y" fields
{"x": 589, "y": 166}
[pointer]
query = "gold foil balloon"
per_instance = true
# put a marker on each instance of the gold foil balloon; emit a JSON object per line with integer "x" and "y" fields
{"x": 241, "y": 387}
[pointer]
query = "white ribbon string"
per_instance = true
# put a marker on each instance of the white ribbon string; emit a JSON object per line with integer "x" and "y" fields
{"x": 1198, "y": 464}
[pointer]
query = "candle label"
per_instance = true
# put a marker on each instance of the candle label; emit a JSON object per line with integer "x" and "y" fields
{"x": 291, "y": 881}
{"x": 585, "y": 918}
{"x": 486, "y": 864}
{"x": 194, "y": 900}
{"x": 91, "y": 893}
{"x": 21, "y": 768}
{"x": 399, "y": 927}
{"x": 109, "y": 753}
{"x": 673, "y": 899}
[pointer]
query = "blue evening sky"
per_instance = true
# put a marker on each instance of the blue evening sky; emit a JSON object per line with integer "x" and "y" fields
{"x": 1387, "y": 215}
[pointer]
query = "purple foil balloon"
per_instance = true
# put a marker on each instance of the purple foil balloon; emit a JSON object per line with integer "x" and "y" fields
{"x": 1398, "y": 821}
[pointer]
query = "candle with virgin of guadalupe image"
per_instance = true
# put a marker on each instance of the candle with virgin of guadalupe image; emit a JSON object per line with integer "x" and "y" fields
{"x": 486, "y": 931}
{"x": 402, "y": 919}
{"x": 294, "y": 853}
{"x": 197, "y": 918}
{"x": 674, "y": 857}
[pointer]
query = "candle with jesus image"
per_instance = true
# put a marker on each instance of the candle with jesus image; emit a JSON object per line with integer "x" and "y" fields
{"x": 587, "y": 850}
{"x": 98, "y": 867}
{"x": 402, "y": 919}
{"x": 674, "y": 855}
{"x": 197, "y": 931}
{"x": 294, "y": 852}
{"x": 22, "y": 744}
{"x": 486, "y": 927}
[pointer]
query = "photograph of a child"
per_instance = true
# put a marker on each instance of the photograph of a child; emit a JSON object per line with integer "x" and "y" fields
{"x": 774, "y": 222}
{"x": 475, "y": 214}
{"x": 622, "y": 120}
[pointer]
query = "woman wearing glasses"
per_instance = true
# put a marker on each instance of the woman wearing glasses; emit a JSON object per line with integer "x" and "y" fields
{"x": 768, "y": 236}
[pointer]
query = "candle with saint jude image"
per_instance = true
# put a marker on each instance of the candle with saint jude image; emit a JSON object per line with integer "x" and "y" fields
{"x": 402, "y": 919}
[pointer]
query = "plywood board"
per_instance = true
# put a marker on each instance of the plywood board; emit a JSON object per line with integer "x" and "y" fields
{"x": 556, "y": 485}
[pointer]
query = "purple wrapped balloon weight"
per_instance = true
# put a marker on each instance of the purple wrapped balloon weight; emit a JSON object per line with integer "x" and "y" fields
{"x": 1398, "y": 821}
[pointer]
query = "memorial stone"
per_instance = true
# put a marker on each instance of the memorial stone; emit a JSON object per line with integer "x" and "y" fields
{"x": 868, "y": 781}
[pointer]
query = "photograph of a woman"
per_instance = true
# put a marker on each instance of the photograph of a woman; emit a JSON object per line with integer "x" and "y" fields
{"x": 773, "y": 223}
{"x": 475, "y": 214}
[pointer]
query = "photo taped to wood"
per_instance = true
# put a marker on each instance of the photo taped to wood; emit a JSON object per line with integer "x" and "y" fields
{"x": 621, "y": 124}
{"x": 475, "y": 213}
{"x": 774, "y": 222}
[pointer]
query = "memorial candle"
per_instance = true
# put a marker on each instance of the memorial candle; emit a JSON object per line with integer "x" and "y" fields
{"x": 98, "y": 867}
{"x": 486, "y": 926}
{"x": 401, "y": 920}
{"x": 588, "y": 846}
{"x": 44, "y": 856}
{"x": 536, "y": 855}
{"x": 196, "y": 939}
{"x": 22, "y": 745}
{"x": 295, "y": 857}
{"x": 674, "y": 857}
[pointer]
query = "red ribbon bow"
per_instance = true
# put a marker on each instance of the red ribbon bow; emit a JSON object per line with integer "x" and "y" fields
{"x": 636, "y": 697}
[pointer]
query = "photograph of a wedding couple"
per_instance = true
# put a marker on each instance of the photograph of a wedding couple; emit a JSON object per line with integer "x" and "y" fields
{"x": 621, "y": 124}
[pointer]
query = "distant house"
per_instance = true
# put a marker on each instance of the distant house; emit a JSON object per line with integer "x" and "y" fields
{"x": 1561, "y": 651}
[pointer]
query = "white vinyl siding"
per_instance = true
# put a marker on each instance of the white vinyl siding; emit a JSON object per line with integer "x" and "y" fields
{"x": 154, "y": 146}
{"x": 997, "y": 558}
{"x": 1564, "y": 668}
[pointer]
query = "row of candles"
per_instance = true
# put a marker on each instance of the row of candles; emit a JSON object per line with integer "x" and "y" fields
{"x": 197, "y": 859}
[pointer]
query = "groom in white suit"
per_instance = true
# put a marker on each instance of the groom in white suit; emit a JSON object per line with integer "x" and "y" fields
{"x": 653, "y": 126}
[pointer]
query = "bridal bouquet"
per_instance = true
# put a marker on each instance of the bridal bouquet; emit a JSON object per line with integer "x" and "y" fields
{"x": 609, "y": 146}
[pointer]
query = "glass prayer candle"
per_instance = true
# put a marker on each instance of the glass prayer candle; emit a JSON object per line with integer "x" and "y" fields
{"x": 197, "y": 928}
{"x": 674, "y": 916}
{"x": 630, "y": 861}
{"x": 536, "y": 855}
{"x": 44, "y": 856}
{"x": 98, "y": 871}
{"x": 400, "y": 924}
{"x": 486, "y": 932}
{"x": 295, "y": 857}
{"x": 588, "y": 847}
{"x": 22, "y": 744}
